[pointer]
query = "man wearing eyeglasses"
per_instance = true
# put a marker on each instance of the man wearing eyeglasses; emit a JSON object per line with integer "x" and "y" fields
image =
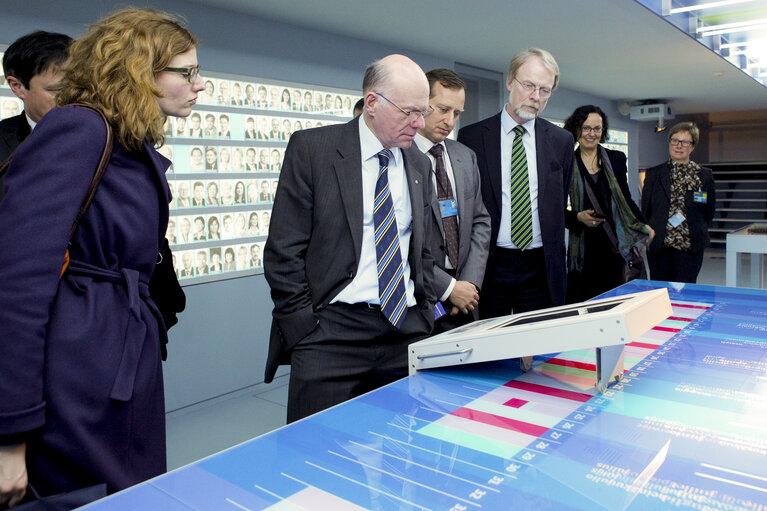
{"x": 526, "y": 266}
{"x": 461, "y": 225}
{"x": 353, "y": 203}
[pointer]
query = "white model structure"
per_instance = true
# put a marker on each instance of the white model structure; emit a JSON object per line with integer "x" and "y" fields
{"x": 606, "y": 324}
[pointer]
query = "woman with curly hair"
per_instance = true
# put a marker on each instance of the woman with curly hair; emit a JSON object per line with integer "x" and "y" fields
{"x": 80, "y": 371}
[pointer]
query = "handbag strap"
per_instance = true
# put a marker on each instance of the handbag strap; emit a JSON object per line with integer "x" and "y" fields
{"x": 598, "y": 209}
{"x": 106, "y": 154}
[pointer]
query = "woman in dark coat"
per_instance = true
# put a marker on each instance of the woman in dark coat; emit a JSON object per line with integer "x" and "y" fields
{"x": 595, "y": 264}
{"x": 679, "y": 201}
{"x": 81, "y": 391}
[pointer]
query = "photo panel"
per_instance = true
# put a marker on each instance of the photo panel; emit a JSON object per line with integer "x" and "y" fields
{"x": 212, "y": 198}
{"x": 274, "y": 187}
{"x": 198, "y": 193}
{"x": 275, "y": 159}
{"x": 214, "y": 227}
{"x": 239, "y": 191}
{"x": 183, "y": 198}
{"x": 181, "y": 127}
{"x": 298, "y": 124}
{"x": 240, "y": 224}
{"x": 264, "y": 191}
{"x": 238, "y": 94}
{"x": 170, "y": 231}
{"x": 242, "y": 258}
{"x": 199, "y": 226}
{"x": 251, "y": 194}
{"x": 222, "y": 94}
{"x": 266, "y": 216}
{"x": 263, "y": 159}
{"x": 216, "y": 260}
{"x": 208, "y": 96}
{"x": 307, "y": 103}
{"x": 211, "y": 158}
{"x": 224, "y": 159}
{"x": 238, "y": 159}
{"x": 262, "y": 96}
{"x": 227, "y": 226}
{"x": 262, "y": 127}
{"x": 195, "y": 125}
{"x": 227, "y": 258}
{"x": 224, "y": 126}
{"x": 251, "y": 164}
{"x": 209, "y": 126}
{"x": 274, "y": 97}
{"x": 10, "y": 107}
{"x": 297, "y": 98}
{"x": 201, "y": 262}
{"x": 250, "y": 94}
{"x": 250, "y": 128}
{"x": 254, "y": 224}
{"x": 196, "y": 158}
{"x": 186, "y": 263}
{"x": 227, "y": 192}
{"x": 255, "y": 252}
{"x": 167, "y": 151}
{"x": 275, "y": 129}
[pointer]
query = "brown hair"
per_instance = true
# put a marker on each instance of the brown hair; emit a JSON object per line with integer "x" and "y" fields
{"x": 687, "y": 126}
{"x": 445, "y": 77}
{"x": 113, "y": 68}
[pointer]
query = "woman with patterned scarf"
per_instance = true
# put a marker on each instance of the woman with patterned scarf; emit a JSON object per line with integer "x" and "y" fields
{"x": 679, "y": 201}
{"x": 604, "y": 224}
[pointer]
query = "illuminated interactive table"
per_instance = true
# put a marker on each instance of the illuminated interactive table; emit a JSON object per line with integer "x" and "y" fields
{"x": 685, "y": 428}
{"x": 750, "y": 239}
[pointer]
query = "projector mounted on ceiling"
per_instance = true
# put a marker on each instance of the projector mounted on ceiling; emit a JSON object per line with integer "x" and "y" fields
{"x": 658, "y": 112}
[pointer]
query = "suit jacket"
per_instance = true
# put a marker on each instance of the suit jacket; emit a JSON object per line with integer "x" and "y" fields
{"x": 13, "y": 131}
{"x": 473, "y": 223}
{"x": 315, "y": 236}
{"x": 554, "y": 153}
{"x": 656, "y": 201}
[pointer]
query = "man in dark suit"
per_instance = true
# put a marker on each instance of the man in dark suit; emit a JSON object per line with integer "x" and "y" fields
{"x": 526, "y": 267}
{"x": 32, "y": 67}
{"x": 330, "y": 321}
{"x": 461, "y": 228}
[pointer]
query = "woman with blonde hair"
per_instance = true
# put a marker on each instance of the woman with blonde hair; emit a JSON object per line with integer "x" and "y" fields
{"x": 80, "y": 370}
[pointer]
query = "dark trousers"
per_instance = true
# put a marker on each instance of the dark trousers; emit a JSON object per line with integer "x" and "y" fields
{"x": 515, "y": 281}
{"x": 353, "y": 350}
{"x": 675, "y": 265}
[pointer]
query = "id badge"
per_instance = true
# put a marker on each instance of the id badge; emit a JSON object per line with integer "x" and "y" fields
{"x": 677, "y": 219}
{"x": 439, "y": 310}
{"x": 448, "y": 207}
{"x": 701, "y": 197}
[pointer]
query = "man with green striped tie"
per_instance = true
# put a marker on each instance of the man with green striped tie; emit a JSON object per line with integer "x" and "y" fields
{"x": 526, "y": 164}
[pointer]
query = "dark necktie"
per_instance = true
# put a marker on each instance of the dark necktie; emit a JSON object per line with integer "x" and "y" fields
{"x": 445, "y": 192}
{"x": 391, "y": 272}
{"x": 521, "y": 216}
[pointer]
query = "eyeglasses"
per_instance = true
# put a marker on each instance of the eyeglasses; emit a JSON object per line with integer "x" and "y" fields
{"x": 189, "y": 73}
{"x": 588, "y": 129}
{"x": 412, "y": 115}
{"x": 683, "y": 143}
{"x": 530, "y": 88}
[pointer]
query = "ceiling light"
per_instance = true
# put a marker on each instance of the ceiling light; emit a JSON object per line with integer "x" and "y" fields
{"x": 732, "y": 27}
{"x": 708, "y": 5}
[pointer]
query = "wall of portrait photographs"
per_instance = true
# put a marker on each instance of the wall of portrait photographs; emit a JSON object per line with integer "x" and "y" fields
{"x": 227, "y": 156}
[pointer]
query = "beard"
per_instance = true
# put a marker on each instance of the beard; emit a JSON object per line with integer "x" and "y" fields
{"x": 524, "y": 113}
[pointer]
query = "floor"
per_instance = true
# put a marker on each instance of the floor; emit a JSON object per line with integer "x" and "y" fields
{"x": 206, "y": 428}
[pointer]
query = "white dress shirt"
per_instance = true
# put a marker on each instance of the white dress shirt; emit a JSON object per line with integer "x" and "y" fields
{"x": 364, "y": 286}
{"x": 528, "y": 140}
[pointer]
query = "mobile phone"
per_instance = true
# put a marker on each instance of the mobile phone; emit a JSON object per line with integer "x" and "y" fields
{"x": 598, "y": 215}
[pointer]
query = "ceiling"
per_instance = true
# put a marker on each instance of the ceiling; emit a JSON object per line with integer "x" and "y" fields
{"x": 617, "y": 49}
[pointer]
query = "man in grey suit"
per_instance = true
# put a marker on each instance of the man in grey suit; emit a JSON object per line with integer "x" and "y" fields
{"x": 331, "y": 317}
{"x": 461, "y": 230}
{"x": 526, "y": 268}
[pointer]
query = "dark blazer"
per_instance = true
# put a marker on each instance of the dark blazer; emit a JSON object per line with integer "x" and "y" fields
{"x": 620, "y": 171}
{"x": 81, "y": 354}
{"x": 473, "y": 223}
{"x": 13, "y": 131}
{"x": 656, "y": 200}
{"x": 554, "y": 153}
{"x": 315, "y": 236}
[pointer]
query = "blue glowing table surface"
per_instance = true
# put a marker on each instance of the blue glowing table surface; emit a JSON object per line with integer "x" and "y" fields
{"x": 686, "y": 428}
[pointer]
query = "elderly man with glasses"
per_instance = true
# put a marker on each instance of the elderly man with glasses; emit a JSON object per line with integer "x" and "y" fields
{"x": 347, "y": 256}
{"x": 526, "y": 164}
